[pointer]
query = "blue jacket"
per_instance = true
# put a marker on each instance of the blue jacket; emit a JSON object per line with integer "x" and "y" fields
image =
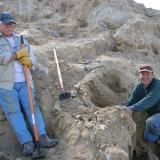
{"x": 146, "y": 99}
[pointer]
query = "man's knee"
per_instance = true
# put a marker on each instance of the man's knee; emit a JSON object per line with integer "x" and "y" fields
{"x": 13, "y": 107}
{"x": 153, "y": 123}
{"x": 13, "y": 110}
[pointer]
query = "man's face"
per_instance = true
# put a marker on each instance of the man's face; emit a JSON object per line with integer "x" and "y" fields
{"x": 146, "y": 77}
{"x": 7, "y": 29}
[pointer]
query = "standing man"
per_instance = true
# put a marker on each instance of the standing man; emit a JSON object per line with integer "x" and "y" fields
{"x": 13, "y": 87}
{"x": 146, "y": 97}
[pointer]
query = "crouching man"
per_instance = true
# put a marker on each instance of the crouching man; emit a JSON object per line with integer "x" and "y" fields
{"x": 146, "y": 97}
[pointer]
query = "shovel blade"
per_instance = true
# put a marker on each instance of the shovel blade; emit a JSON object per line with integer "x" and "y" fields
{"x": 65, "y": 95}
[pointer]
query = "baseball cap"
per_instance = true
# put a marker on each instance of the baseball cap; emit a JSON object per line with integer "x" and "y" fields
{"x": 6, "y": 17}
{"x": 145, "y": 68}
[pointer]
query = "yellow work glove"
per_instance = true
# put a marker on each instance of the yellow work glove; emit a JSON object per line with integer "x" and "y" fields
{"x": 26, "y": 61}
{"x": 21, "y": 53}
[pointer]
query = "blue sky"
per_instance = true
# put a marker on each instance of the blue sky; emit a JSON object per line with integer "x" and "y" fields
{"x": 155, "y": 4}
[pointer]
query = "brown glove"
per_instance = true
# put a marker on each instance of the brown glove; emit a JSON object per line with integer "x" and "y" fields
{"x": 21, "y": 53}
{"x": 26, "y": 61}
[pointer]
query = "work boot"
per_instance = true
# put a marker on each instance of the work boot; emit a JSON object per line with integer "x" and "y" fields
{"x": 47, "y": 142}
{"x": 28, "y": 148}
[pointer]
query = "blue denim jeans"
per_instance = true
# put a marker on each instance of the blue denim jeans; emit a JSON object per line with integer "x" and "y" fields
{"x": 152, "y": 128}
{"x": 12, "y": 103}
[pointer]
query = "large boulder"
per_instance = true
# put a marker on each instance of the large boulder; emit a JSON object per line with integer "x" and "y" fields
{"x": 139, "y": 33}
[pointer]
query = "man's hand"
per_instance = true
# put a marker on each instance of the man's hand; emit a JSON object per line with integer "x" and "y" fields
{"x": 21, "y": 53}
{"x": 26, "y": 61}
{"x": 124, "y": 108}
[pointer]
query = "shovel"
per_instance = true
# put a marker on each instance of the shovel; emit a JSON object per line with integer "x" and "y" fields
{"x": 37, "y": 153}
{"x": 63, "y": 95}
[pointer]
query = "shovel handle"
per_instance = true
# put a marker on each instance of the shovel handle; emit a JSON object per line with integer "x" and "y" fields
{"x": 31, "y": 103}
{"x": 29, "y": 94}
{"x": 58, "y": 70}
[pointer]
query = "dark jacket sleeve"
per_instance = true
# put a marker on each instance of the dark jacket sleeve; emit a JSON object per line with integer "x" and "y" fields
{"x": 149, "y": 100}
{"x": 133, "y": 97}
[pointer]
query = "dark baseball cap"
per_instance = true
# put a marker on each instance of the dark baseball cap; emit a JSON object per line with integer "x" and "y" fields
{"x": 145, "y": 68}
{"x": 6, "y": 17}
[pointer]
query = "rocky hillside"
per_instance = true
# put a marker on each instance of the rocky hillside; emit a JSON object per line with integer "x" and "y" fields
{"x": 100, "y": 44}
